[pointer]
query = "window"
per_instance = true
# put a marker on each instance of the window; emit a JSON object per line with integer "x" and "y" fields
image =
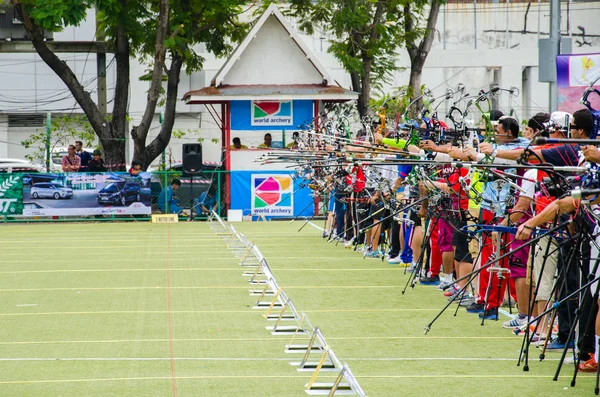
{"x": 25, "y": 120}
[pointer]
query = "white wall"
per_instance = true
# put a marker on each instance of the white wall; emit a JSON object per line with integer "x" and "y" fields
{"x": 272, "y": 58}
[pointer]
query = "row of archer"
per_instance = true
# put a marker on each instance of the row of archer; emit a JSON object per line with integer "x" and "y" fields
{"x": 504, "y": 217}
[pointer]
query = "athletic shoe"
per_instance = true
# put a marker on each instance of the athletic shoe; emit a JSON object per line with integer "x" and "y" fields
{"x": 444, "y": 285}
{"x": 435, "y": 280}
{"x": 489, "y": 314}
{"x": 555, "y": 344}
{"x": 452, "y": 291}
{"x": 394, "y": 260}
{"x": 455, "y": 299}
{"x": 476, "y": 308}
{"x": 467, "y": 302}
{"x": 348, "y": 243}
{"x": 411, "y": 268}
{"x": 405, "y": 264}
{"x": 519, "y": 331}
{"x": 516, "y": 322}
{"x": 325, "y": 234}
{"x": 538, "y": 340}
{"x": 373, "y": 254}
{"x": 590, "y": 365}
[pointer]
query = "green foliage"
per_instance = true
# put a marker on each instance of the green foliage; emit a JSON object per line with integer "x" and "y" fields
{"x": 213, "y": 23}
{"x": 55, "y": 15}
{"x": 64, "y": 131}
{"x": 398, "y": 102}
{"x": 354, "y": 33}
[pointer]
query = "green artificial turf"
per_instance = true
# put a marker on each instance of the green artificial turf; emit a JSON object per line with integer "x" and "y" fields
{"x": 85, "y": 309}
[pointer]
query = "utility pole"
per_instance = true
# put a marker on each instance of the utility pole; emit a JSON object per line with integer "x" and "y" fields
{"x": 554, "y": 52}
{"x": 48, "y": 137}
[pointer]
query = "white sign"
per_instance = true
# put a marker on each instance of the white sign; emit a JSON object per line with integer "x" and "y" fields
{"x": 271, "y": 113}
{"x": 272, "y": 195}
{"x": 583, "y": 70}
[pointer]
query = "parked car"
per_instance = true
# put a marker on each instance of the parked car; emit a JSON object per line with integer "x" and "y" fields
{"x": 119, "y": 193}
{"x": 18, "y": 165}
{"x": 50, "y": 190}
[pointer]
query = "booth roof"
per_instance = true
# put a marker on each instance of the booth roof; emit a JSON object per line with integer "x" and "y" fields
{"x": 327, "y": 93}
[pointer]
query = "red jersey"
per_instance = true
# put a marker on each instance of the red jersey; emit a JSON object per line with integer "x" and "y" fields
{"x": 459, "y": 195}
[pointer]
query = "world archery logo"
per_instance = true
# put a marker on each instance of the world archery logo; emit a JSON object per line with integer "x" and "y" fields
{"x": 271, "y": 113}
{"x": 272, "y": 195}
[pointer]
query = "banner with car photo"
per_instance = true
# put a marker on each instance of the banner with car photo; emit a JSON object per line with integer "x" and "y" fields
{"x": 82, "y": 194}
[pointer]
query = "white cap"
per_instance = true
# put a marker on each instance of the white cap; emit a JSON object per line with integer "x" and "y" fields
{"x": 560, "y": 118}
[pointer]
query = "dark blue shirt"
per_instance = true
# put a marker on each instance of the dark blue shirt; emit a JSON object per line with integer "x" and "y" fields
{"x": 206, "y": 201}
{"x": 562, "y": 156}
{"x": 85, "y": 157}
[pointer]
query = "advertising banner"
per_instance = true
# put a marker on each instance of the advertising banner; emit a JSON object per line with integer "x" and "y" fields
{"x": 68, "y": 194}
{"x": 273, "y": 194}
{"x": 11, "y": 194}
{"x": 272, "y": 113}
{"x": 574, "y": 73}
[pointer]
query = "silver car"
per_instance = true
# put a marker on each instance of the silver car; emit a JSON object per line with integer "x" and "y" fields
{"x": 50, "y": 190}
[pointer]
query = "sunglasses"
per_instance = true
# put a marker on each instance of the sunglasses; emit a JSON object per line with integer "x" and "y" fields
{"x": 574, "y": 127}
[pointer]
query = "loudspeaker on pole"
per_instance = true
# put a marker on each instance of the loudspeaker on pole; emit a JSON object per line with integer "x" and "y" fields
{"x": 192, "y": 158}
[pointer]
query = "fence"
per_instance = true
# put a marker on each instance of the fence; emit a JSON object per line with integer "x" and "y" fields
{"x": 317, "y": 355}
{"x": 30, "y": 196}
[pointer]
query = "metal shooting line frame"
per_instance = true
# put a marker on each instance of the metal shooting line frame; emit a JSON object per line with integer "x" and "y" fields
{"x": 345, "y": 383}
{"x": 305, "y": 365}
{"x": 337, "y": 387}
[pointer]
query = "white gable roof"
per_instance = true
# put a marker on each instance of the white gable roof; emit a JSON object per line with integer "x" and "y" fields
{"x": 274, "y": 43}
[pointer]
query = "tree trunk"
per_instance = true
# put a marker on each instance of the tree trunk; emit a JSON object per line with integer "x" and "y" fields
{"x": 414, "y": 83}
{"x": 418, "y": 54}
{"x": 116, "y": 150}
{"x": 365, "y": 89}
{"x": 114, "y": 154}
{"x": 111, "y": 138}
{"x": 139, "y": 133}
{"x": 155, "y": 148}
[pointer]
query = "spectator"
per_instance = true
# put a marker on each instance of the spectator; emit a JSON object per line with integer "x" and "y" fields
{"x": 205, "y": 203}
{"x": 71, "y": 162}
{"x": 237, "y": 144}
{"x": 85, "y": 157}
{"x": 96, "y": 164}
{"x": 294, "y": 143}
{"x": 267, "y": 142}
{"x": 167, "y": 196}
{"x": 135, "y": 169}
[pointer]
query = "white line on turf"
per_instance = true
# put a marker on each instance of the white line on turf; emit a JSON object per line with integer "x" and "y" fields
{"x": 316, "y": 227}
{"x": 27, "y": 305}
{"x": 256, "y": 359}
{"x": 234, "y": 377}
{"x": 238, "y": 340}
{"x": 507, "y": 314}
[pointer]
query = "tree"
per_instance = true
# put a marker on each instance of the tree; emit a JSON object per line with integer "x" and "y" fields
{"x": 364, "y": 38}
{"x": 161, "y": 32}
{"x": 418, "y": 51}
{"x": 367, "y": 36}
